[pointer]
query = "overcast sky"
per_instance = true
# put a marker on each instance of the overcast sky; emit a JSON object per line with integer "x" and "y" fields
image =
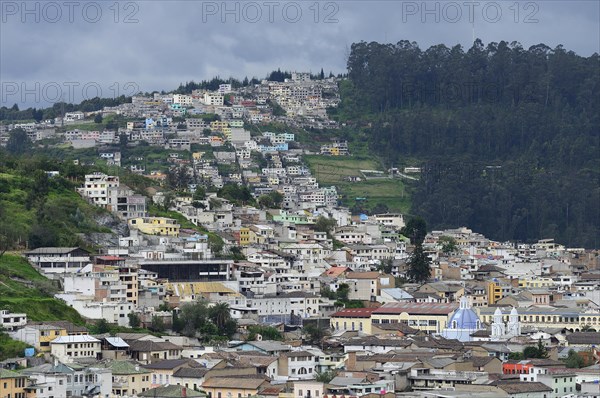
{"x": 80, "y": 49}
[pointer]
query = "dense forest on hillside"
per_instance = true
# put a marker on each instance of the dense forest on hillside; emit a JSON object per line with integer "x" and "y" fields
{"x": 508, "y": 137}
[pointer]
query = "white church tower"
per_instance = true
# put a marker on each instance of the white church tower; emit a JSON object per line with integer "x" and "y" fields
{"x": 500, "y": 330}
{"x": 498, "y": 327}
{"x": 514, "y": 326}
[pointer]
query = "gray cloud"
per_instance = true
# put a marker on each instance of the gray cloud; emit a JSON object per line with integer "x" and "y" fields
{"x": 178, "y": 41}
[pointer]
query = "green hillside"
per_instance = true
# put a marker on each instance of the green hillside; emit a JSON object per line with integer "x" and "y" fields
{"x": 37, "y": 210}
{"x": 23, "y": 289}
{"x": 379, "y": 194}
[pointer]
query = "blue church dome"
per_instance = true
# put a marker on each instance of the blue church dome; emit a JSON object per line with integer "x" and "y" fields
{"x": 462, "y": 323}
{"x": 464, "y": 317}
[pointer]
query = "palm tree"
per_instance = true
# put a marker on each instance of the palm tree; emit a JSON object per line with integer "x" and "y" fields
{"x": 219, "y": 314}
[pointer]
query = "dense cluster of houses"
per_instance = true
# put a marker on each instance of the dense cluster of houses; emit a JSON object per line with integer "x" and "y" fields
{"x": 460, "y": 334}
{"x": 153, "y": 117}
{"x": 455, "y": 335}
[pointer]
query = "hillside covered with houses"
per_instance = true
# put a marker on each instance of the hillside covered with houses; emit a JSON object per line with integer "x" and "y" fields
{"x": 222, "y": 263}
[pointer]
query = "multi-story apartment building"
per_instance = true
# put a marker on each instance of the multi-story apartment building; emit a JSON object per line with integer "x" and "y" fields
{"x": 183, "y": 100}
{"x": 69, "y": 348}
{"x": 214, "y": 99}
{"x": 96, "y": 188}
{"x": 126, "y": 203}
{"x": 195, "y": 124}
{"x": 128, "y": 276}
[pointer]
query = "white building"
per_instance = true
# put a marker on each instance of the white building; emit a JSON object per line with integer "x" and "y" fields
{"x": 60, "y": 380}
{"x": 182, "y": 99}
{"x": 58, "y": 260}
{"x": 214, "y": 99}
{"x": 11, "y": 321}
{"x": 74, "y": 116}
{"x": 224, "y": 88}
{"x": 96, "y": 188}
{"x": 395, "y": 220}
{"x": 69, "y": 348}
{"x": 113, "y": 312}
{"x": 298, "y": 365}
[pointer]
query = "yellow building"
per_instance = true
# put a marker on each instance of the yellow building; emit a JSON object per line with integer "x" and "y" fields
{"x": 428, "y": 317}
{"x": 494, "y": 292}
{"x": 161, "y": 226}
{"x": 260, "y": 234}
{"x": 358, "y": 319}
{"x": 334, "y": 151}
{"x": 227, "y": 132}
{"x": 233, "y": 387}
{"x": 244, "y": 236}
{"x": 12, "y": 384}
{"x": 128, "y": 378}
{"x": 219, "y": 125}
{"x": 536, "y": 283}
{"x": 40, "y": 335}
{"x": 573, "y": 319}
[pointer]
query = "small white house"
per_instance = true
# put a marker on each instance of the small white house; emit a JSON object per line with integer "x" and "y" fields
{"x": 12, "y": 321}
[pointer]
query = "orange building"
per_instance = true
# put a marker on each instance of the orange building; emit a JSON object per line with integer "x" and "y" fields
{"x": 515, "y": 367}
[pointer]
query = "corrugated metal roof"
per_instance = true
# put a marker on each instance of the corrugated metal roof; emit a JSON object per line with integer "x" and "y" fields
{"x": 116, "y": 342}
{"x": 189, "y": 288}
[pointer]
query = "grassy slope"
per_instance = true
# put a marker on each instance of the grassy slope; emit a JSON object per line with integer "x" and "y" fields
{"x": 23, "y": 289}
{"x": 333, "y": 170}
{"x": 69, "y": 213}
{"x": 10, "y": 348}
